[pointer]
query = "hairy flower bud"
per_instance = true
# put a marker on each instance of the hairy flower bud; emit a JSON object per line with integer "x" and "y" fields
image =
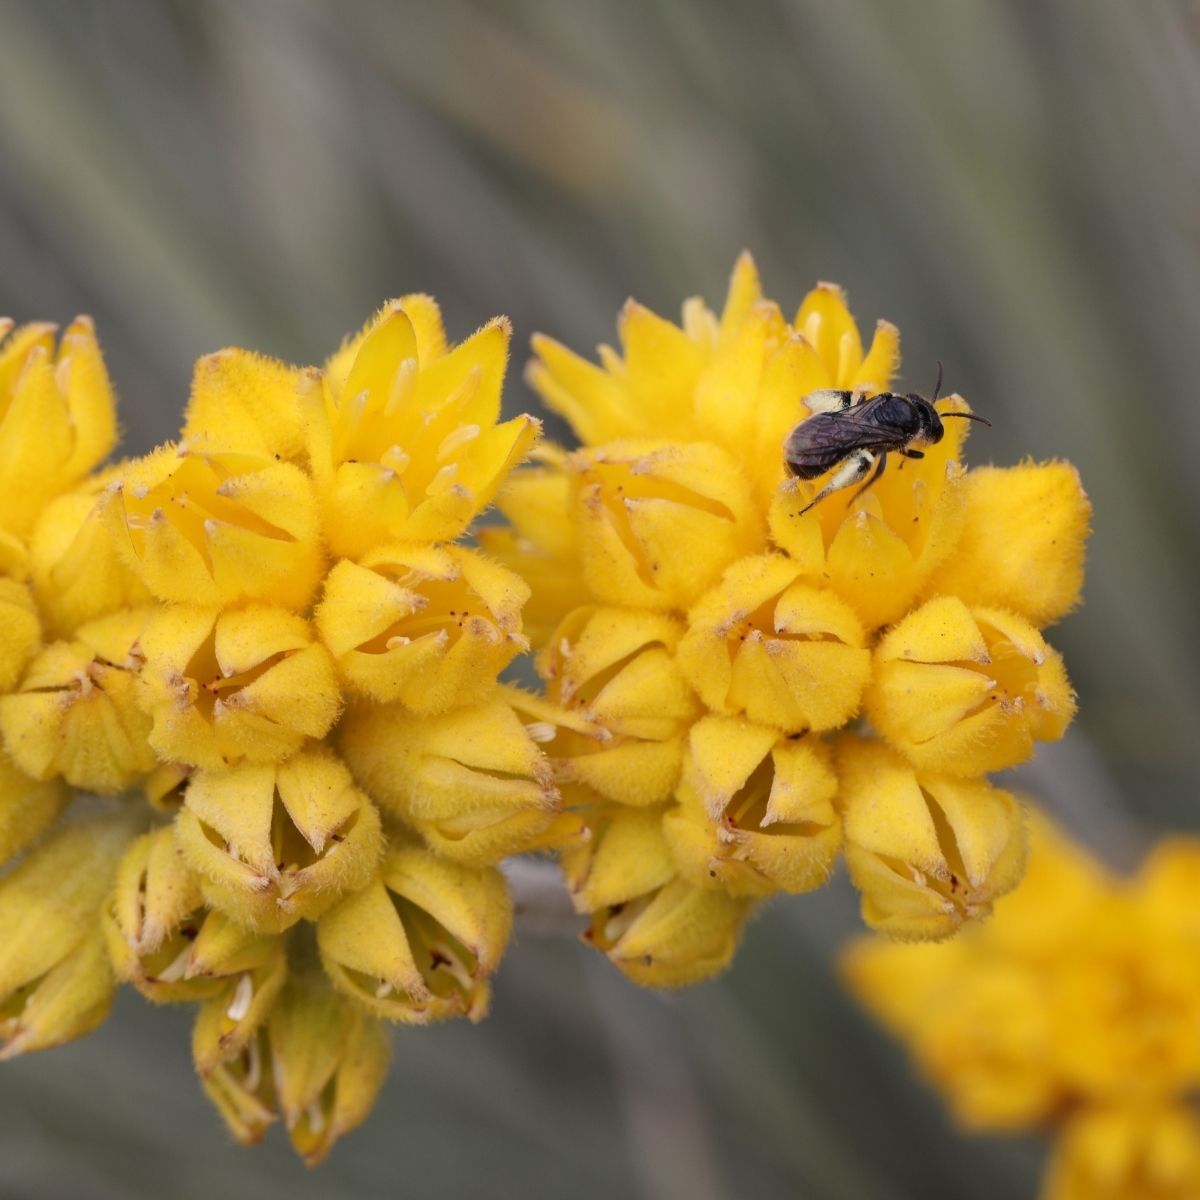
{"x": 55, "y": 981}
{"x": 76, "y": 713}
{"x": 926, "y": 851}
{"x": 420, "y": 942}
{"x": 616, "y": 669}
{"x": 201, "y": 527}
{"x": 622, "y": 854}
{"x": 426, "y": 626}
{"x": 78, "y": 574}
{"x": 277, "y": 842}
{"x": 763, "y": 645}
{"x": 755, "y": 811}
{"x": 152, "y": 918}
{"x": 245, "y": 684}
{"x": 671, "y": 936}
{"x": 242, "y": 1090}
{"x": 227, "y": 1023}
{"x": 967, "y": 691}
{"x": 473, "y": 782}
{"x": 57, "y": 416}
{"x": 329, "y": 1060}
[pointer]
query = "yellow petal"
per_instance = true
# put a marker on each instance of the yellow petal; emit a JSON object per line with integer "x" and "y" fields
{"x": 1022, "y": 545}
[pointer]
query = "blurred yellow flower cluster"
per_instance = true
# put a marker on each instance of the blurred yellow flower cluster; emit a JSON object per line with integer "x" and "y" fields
{"x": 1076, "y": 1007}
{"x": 739, "y": 688}
{"x": 226, "y": 638}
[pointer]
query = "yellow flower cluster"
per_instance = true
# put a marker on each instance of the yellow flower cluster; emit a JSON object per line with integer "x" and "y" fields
{"x": 228, "y": 639}
{"x": 740, "y": 687}
{"x": 1077, "y": 1006}
{"x": 267, "y": 655}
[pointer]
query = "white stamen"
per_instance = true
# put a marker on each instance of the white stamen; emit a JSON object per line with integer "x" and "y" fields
{"x": 384, "y": 990}
{"x": 177, "y": 967}
{"x": 541, "y": 731}
{"x": 242, "y": 995}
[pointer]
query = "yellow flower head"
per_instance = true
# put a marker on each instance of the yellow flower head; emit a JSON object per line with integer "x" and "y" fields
{"x": 173, "y": 628}
{"x": 1076, "y": 1004}
{"x": 716, "y": 616}
{"x": 405, "y": 441}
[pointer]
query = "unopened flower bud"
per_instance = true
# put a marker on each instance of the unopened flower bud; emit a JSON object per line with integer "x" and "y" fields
{"x": 78, "y": 575}
{"x": 55, "y": 980}
{"x": 421, "y": 941}
{"x": 473, "y": 782}
{"x": 967, "y": 691}
{"x": 274, "y": 843}
{"x": 242, "y": 1091}
{"x": 227, "y": 1023}
{"x": 57, "y": 416}
{"x": 659, "y": 521}
{"x": 616, "y": 669}
{"x": 152, "y": 918}
{"x": 671, "y": 936}
{"x": 246, "y": 684}
{"x": 763, "y": 645}
{"x": 76, "y": 712}
{"x": 428, "y": 627}
{"x": 329, "y": 1060}
{"x": 215, "y": 528}
{"x": 928, "y": 852}
{"x": 755, "y": 811}
{"x": 622, "y": 854}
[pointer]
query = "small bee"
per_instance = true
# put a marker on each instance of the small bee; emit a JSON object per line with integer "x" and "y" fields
{"x": 850, "y": 433}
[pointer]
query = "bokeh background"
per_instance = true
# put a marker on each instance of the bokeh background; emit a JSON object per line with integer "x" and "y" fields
{"x": 1014, "y": 182}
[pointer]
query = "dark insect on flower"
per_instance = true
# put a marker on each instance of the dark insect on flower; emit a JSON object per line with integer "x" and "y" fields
{"x": 852, "y": 434}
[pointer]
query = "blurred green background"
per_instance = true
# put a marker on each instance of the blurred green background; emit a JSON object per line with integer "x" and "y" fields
{"x": 1014, "y": 183}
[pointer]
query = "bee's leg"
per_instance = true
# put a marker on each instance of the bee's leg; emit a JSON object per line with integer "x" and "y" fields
{"x": 830, "y": 400}
{"x": 852, "y": 470}
{"x": 879, "y": 466}
{"x": 913, "y": 453}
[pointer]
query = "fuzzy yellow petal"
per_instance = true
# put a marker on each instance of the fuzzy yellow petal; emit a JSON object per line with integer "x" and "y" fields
{"x": 1022, "y": 545}
{"x": 20, "y": 631}
{"x": 248, "y": 403}
{"x": 472, "y": 781}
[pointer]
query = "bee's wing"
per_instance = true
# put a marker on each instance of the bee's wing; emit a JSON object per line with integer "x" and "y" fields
{"x": 844, "y": 432}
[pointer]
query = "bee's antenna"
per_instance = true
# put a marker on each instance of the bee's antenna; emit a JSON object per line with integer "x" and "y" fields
{"x": 969, "y": 417}
{"x": 937, "y": 387}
